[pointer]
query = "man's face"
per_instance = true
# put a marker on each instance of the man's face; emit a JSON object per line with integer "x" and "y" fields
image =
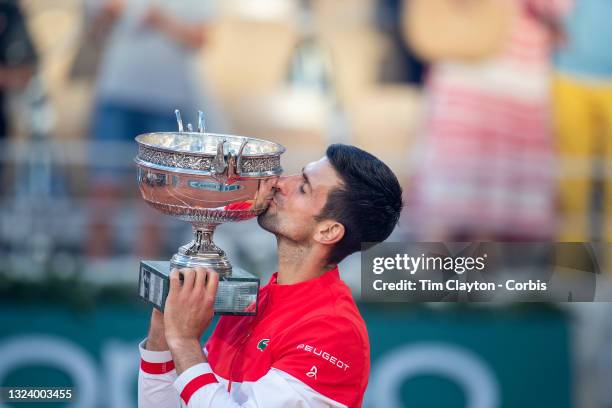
{"x": 298, "y": 200}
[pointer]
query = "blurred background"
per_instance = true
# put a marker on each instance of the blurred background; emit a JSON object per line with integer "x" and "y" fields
{"x": 496, "y": 116}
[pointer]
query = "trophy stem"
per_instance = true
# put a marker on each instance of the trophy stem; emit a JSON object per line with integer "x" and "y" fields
{"x": 203, "y": 252}
{"x": 203, "y": 241}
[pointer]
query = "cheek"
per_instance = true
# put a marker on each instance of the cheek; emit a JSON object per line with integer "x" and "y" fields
{"x": 305, "y": 213}
{"x": 302, "y": 208}
{"x": 298, "y": 226}
{"x": 298, "y": 214}
{"x": 294, "y": 204}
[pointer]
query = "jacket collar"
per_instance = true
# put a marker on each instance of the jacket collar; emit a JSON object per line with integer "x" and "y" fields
{"x": 298, "y": 290}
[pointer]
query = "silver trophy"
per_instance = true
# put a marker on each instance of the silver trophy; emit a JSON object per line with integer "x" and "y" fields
{"x": 205, "y": 179}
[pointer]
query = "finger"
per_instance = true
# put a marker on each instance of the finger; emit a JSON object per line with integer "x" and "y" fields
{"x": 212, "y": 282}
{"x": 200, "y": 279}
{"x": 156, "y": 315}
{"x": 175, "y": 282}
{"x": 188, "y": 278}
{"x": 269, "y": 186}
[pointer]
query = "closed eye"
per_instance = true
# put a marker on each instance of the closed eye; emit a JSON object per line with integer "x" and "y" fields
{"x": 304, "y": 182}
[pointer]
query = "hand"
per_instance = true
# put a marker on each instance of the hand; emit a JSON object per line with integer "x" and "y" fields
{"x": 113, "y": 9}
{"x": 265, "y": 193}
{"x": 189, "y": 305}
{"x": 184, "y": 33}
{"x": 102, "y": 23}
{"x": 154, "y": 17}
{"x": 156, "y": 341}
{"x": 157, "y": 320}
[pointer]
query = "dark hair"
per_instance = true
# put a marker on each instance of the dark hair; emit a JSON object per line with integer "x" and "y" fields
{"x": 368, "y": 203}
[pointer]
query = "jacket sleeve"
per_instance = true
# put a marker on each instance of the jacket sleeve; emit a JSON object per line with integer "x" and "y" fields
{"x": 322, "y": 363}
{"x": 155, "y": 379}
{"x": 198, "y": 388}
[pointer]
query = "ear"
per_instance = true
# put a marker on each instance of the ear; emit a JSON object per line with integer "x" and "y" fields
{"x": 329, "y": 232}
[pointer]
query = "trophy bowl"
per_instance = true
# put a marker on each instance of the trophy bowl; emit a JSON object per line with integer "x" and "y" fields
{"x": 206, "y": 179}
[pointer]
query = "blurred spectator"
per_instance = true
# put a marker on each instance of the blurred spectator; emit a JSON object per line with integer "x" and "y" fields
{"x": 17, "y": 59}
{"x": 147, "y": 70}
{"x": 402, "y": 65}
{"x": 583, "y": 102}
{"x": 485, "y": 165}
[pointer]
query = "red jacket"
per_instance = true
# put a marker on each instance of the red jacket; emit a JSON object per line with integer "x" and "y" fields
{"x": 307, "y": 346}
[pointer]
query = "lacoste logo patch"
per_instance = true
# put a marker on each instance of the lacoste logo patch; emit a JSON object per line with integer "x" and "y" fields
{"x": 263, "y": 343}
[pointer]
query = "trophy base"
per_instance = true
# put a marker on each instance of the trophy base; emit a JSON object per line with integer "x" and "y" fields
{"x": 236, "y": 294}
{"x": 219, "y": 263}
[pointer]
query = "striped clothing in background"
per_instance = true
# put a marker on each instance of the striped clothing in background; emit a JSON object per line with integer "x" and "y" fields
{"x": 485, "y": 164}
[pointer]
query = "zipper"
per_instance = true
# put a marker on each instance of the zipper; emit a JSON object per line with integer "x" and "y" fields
{"x": 241, "y": 345}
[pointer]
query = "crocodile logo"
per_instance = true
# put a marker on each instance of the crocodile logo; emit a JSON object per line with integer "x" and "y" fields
{"x": 263, "y": 343}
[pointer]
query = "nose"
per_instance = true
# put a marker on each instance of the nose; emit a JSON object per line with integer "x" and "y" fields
{"x": 281, "y": 184}
{"x": 284, "y": 183}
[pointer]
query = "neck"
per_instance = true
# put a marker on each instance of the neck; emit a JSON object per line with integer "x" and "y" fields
{"x": 297, "y": 263}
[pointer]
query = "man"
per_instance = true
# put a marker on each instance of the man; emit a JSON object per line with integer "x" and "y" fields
{"x": 308, "y": 345}
{"x": 149, "y": 68}
{"x": 18, "y": 60}
{"x": 583, "y": 117}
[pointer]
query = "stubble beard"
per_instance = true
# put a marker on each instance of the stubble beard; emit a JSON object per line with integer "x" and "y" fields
{"x": 269, "y": 222}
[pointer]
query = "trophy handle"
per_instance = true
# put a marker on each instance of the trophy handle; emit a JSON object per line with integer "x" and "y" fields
{"x": 239, "y": 161}
{"x": 219, "y": 165}
{"x": 228, "y": 168}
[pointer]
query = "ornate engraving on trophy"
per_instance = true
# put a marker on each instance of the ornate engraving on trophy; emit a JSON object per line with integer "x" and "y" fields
{"x": 205, "y": 179}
